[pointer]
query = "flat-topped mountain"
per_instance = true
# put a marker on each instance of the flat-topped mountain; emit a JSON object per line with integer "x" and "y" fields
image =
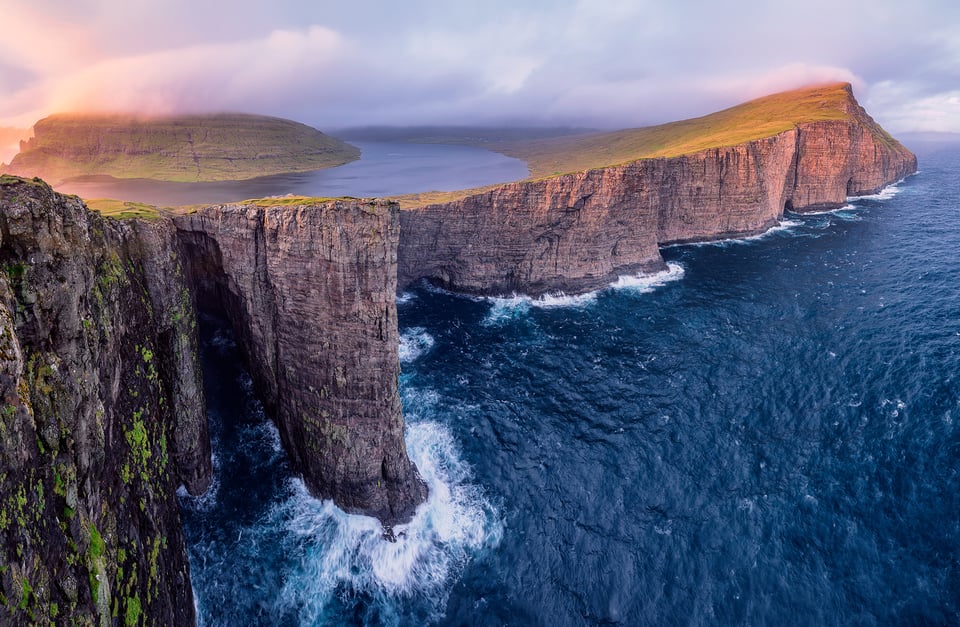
{"x": 188, "y": 148}
{"x": 729, "y": 174}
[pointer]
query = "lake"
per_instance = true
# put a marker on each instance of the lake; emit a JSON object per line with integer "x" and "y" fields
{"x": 384, "y": 169}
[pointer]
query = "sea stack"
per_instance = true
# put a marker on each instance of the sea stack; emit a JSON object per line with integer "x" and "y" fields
{"x": 310, "y": 291}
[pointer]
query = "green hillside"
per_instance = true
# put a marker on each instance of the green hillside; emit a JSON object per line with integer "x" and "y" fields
{"x": 193, "y": 148}
{"x": 752, "y": 120}
{"x": 756, "y": 119}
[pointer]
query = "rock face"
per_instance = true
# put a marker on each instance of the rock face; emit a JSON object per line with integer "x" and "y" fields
{"x": 310, "y": 293}
{"x": 578, "y": 232}
{"x": 102, "y": 416}
{"x": 552, "y": 234}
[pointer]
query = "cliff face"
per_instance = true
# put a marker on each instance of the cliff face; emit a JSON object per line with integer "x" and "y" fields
{"x": 836, "y": 159}
{"x": 102, "y": 414}
{"x": 578, "y": 232}
{"x": 310, "y": 292}
{"x": 552, "y": 234}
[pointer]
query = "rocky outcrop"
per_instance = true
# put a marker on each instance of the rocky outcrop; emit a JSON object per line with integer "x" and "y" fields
{"x": 310, "y": 292}
{"x": 102, "y": 415}
{"x": 578, "y": 232}
{"x": 835, "y": 160}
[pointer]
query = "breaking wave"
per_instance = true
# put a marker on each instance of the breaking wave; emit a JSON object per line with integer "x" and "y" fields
{"x": 346, "y": 554}
{"x": 886, "y": 193}
{"x": 413, "y": 343}
{"x": 644, "y": 283}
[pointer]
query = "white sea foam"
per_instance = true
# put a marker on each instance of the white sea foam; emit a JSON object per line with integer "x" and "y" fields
{"x": 846, "y": 207}
{"x": 405, "y": 297}
{"x": 550, "y": 301}
{"x": 413, "y": 343}
{"x": 645, "y": 283}
{"x": 208, "y": 500}
{"x": 262, "y": 442}
{"x": 505, "y": 308}
{"x": 342, "y": 550}
{"x": 519, "y": 305}
{"x": 886, "y": 193}
{"x": 783, "y": 225}
{"x": 418, "y": 402}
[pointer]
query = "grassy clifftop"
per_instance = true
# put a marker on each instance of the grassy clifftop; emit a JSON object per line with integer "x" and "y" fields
{"x": 192, "y": 148}
{"x": 756, "y": 119}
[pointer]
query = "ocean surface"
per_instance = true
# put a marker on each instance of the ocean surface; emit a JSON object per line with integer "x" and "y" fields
{"x": 766, "y": 434}
{"x": 384, "y": 169}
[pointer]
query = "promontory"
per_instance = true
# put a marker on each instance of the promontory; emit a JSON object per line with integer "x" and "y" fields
{"x": 601, "y": 205}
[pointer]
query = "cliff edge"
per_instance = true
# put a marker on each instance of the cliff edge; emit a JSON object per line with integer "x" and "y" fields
{"x": 103, "y": 411}
{"x": 579, "y": 231}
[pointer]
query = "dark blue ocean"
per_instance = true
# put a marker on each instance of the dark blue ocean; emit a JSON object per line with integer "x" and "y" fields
{"x": 767, "y": 434}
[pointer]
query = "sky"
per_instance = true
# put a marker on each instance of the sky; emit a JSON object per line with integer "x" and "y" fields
{"x": 596, "y": 63}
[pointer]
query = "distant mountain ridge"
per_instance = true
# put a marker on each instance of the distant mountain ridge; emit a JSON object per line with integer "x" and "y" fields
{"x": 186, "y": 148}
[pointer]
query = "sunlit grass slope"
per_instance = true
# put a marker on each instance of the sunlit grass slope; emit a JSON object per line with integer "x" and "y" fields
{"x": 122, "y": 209}
{"x": 756, "y": 119}
{"x": 185, "y": 148}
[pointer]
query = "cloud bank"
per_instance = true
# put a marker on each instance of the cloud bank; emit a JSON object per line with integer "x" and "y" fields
{"x": 602, "y": 63}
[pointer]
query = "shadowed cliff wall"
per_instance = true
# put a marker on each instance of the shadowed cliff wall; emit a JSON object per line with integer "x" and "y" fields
{"x": 102, "y": 416}
{"x": 310, "y": 292}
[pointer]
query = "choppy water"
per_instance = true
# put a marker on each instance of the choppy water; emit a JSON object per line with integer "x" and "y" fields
{"x": 384, "y": 169}
{"x": 767, "y": 434}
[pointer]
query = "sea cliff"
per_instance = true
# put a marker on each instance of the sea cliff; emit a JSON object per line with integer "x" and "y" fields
{"x": 580, "y": 231}
{"x": 310, "y": 290}
{"x": 102, "y": 417}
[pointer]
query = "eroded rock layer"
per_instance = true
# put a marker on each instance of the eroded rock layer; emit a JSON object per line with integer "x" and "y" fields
{"x": 310, "y": 292}
{"x": 102, "y": 415}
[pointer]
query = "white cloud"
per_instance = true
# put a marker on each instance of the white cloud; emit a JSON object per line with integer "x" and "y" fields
{"x": 903, "y": 107}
